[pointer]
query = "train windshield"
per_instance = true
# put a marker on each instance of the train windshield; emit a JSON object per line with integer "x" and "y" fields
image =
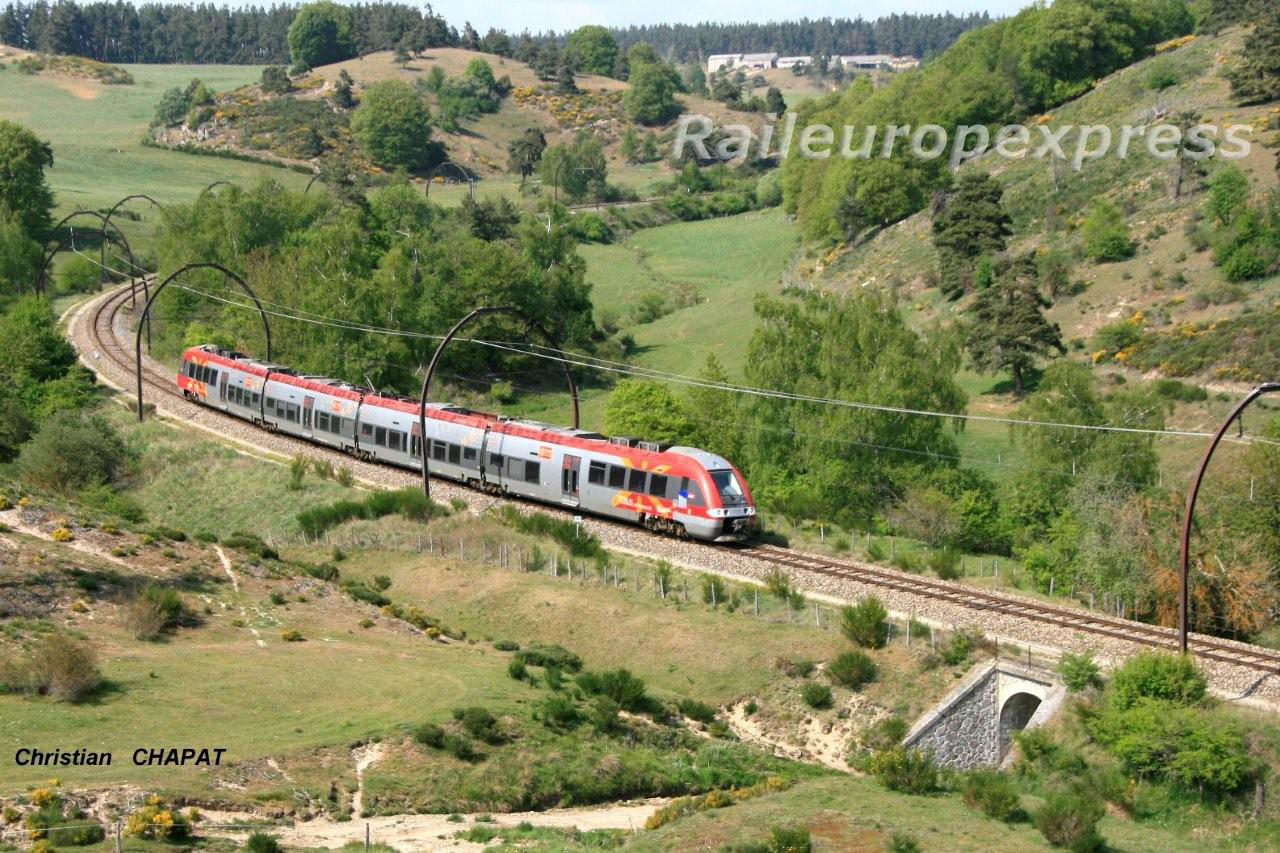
{"x": 727, "y": 485}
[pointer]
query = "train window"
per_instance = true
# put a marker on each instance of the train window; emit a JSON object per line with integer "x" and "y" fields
{"x": 693, "y": 492}
{"x": 366, "y": 429}
{"x": 396, "y": 440}
{"x": 213, "y": 377}
{"x": 495, "y": 461}
{"x": 438, "y": 449}
{"x": 635, "y": 481}
{"x": 455, "y": 454}
{"x": 617, "y": 477}
{"x": 322, "y": 421}
{"x": 380, "y": 436}
{"x": 256, "y": 398}
{"x": 532, "y": 472}
{"x": 293, "y": 412}
{"x": 595, "y": 474}
{"x": 658, "y": 486}
{"x": 469, "y": 454}
{"x": 413, "y": 446}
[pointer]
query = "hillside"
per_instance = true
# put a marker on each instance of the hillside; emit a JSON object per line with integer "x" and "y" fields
{"x": 1171, "y": 280}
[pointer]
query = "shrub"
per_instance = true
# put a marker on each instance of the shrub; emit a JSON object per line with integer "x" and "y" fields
{"x": 560, "y": 713}
{"x": 604, "y": 716}
{"x": 957, "y": 650}
{"x": 72, "y": 452}
{"x": 816, "y": 695}
{"x": 713, "y": 590}
{"x": 992, "y": 793}
{"x": 429, "y": 734}
{"x": 260, "y": 842}
{"x": 365, "y": 623}
{"x": 381, "y": 583}
{"x": 908, "y": 771}
{"x": 357, "y": 590}
{"x": 622, "y": 687}
{"x": 344, "y": 477}
{"x": 506, "y": 645}
{"x": 1106, "y": 236}
{"x": 885, "y": 733}
{"x": 900, "y": 842}
{"x": 297, "y": 470}
{"x": 1079, "y": 671}
{"x": 778, "y": 584}
{"x": 796, "y": 668}
{"x": 852, "y": 669}
{"x": 251, "y": 544}
{"x": 479, "y": 723}
{"x": 1172, "y": 389}
{"x": 1156, "y": 675}
{"x": 695, "y": 710}
{"x": 864, "y": 623}
{"x": 58, "y": 666}
{"x": 1070, "y": 819}
{"x": 517, "y": 670}
{"x": 578, "y": 542}
{"x": 539, "y": 654}
{"x": 323, "y": 571}
{"x": 156, "y": 609}
{"x": 945, "y": 563}
{"x": 157, "y": 822}
{"x": 291, "y": 635}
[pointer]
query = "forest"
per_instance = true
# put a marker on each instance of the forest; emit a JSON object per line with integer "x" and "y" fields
{"x": 210, "y": 33}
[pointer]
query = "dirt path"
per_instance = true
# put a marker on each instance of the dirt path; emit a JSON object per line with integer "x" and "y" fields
{"x": 226, "y": 567}
{"x": 13, "y": 519}
{"x": 370, "y": 755}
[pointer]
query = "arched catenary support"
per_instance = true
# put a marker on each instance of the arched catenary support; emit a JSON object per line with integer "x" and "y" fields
{"x": 146, "y": 313}
{"x": 106, "y": 235}
{"x": 471, "y": 184}
{"x": 1183, "y": 571}
{"x": 314, "y": 178}
{"x": 115, "y": 207}
{"x": 216, "y": 184}
{"x": 435, "y": 360}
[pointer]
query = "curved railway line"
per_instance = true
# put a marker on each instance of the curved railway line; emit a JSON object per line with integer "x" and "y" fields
{"x": 1262, "y": 662}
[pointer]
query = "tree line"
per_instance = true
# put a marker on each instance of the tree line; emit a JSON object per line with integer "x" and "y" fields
{"x": 203, "y": 33}
{"x": 897, "y": 34}
{"x": 210, "y": 33}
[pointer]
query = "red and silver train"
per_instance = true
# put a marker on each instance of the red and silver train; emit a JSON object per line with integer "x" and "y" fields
{"x": 678, "y": 490}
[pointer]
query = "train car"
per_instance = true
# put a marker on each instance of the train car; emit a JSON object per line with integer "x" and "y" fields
{"x": 681, "y": 491}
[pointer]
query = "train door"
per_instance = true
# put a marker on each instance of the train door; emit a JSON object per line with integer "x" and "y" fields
{"x": 308, "y": 403}
{"x": 569, "y": 479}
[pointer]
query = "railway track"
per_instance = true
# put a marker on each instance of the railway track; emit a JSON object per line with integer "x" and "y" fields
{"x": 1085, "y": 621}
{"x": 1261, "y": 660}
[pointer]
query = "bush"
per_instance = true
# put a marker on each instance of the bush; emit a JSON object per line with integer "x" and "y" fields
{"x": 695, "y": 710}
{"x": 1172, "y": 389}
{"x": 864, "y": 623}
{"x": 579, "y": 542}
{"x": 72, "y": 452}
{"x": 957, "y": 650}
{"x": 852, "y": 669}
{"x": 539, "y": 654}
{"x": 260, "y": 842}
{"x": 619, "y": 685}
{"x": 156, "y": 609}
{"x": 1070, "y": 819}
{"x": 1156, "y": 675}
{"x": 885, "y": 733}
{"x": 251, "y": 544}
{"x": 429, "y": 734}
{"x": 1079, "y": 671}
{"x": 291, "y": 635}
{"x": 517, "y": 670}
{"x": 58, "y": 666}
{"x": 816, "y": 695}
{"x": 900, "y": 842}
{"x": 945, "y": 563}
{"x": 506, "y": 645}
{"x": 908, "y": 771}
{"x": 1106, "y": 236}
{"x": 560, "y": 713}
{"x": 992, "y": 793}
{"x": 479, "y": 723}
{"x": 410, "y": 503}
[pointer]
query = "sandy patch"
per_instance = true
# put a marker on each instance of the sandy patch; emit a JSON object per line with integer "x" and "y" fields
{"x": 82, "y": 89}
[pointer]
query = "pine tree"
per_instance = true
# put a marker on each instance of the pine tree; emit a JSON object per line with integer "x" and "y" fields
{"x": 564, "y": 80}
{"x": 1005, "y": 326}
{"x": 1256, "y": 77}
{"x": 621, "y": 66}
{"x": 342, "y": 91}
{"x": 470, "y": 38}
{"x": 774, "y": 102}
{"x": 972, "y": 223}
{"x": 548, "y": 62}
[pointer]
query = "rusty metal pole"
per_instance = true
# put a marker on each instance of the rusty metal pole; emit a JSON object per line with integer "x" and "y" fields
{"x": 1192, "y": 493}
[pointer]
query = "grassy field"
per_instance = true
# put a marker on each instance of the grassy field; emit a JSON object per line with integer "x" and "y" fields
{"x": 96, "y": 132}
